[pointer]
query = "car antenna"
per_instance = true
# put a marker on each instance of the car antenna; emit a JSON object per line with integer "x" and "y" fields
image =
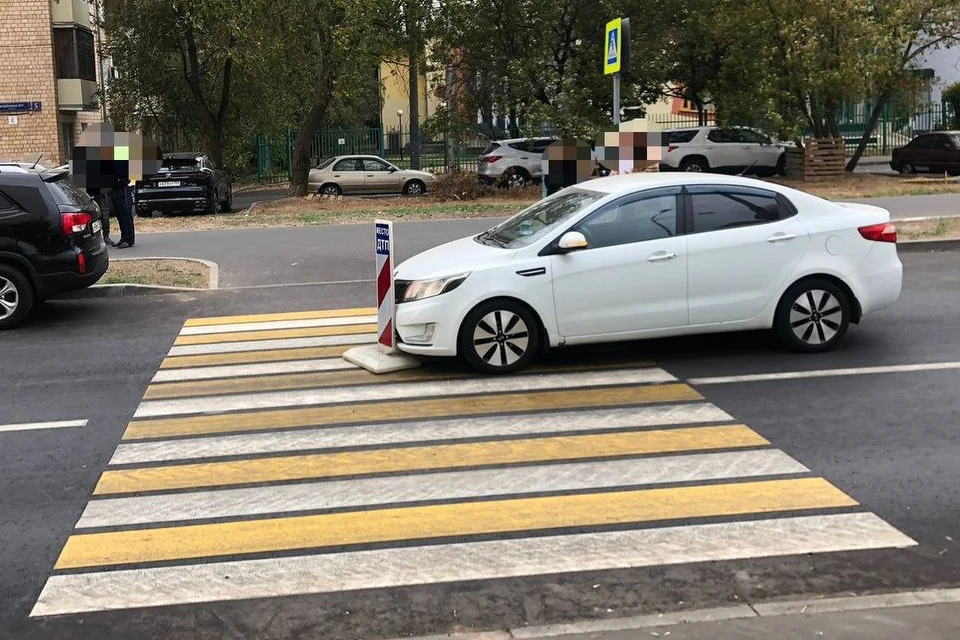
{"x": 37, "y": 162}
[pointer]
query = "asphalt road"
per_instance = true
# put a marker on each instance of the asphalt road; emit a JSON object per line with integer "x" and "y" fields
{"x": 889, "y": 440}
{"x": 338, "y": 253}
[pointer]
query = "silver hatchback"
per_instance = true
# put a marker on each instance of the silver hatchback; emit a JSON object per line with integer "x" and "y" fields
{"x": 514, "y": 162}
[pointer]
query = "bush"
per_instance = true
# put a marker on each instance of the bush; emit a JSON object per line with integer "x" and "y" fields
{"x": 461, "y": 186}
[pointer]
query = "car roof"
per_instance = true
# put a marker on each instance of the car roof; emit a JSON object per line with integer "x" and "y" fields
{"x": 516, "y": 140}
{"x": 628, "y": 183}
{"x": 183, "y": 155}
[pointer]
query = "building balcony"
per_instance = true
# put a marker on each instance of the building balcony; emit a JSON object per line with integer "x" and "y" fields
{"x": 76, "y": 95}
{"x": 72, "y": 12}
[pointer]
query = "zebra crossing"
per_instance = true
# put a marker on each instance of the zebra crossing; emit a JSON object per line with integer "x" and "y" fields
{"x": 260, "y": 464}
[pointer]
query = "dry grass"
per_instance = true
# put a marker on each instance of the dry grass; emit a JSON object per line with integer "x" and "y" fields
{"x": 462, "y": 197}
{"x": 874, "y": 186}
{"x": 161, "y": 273}
{"x": 935, "y": 229}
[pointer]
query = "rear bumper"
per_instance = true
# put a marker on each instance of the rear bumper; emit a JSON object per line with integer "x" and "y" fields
{"x": 50, "y": 284}
{"x": 199, "y": 204}
{"x": 880, "y": 278}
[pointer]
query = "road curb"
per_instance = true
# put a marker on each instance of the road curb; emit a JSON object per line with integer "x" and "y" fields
{"x": 126, "y": 290}
{"x": 918, "y": 246}
{"x": 808, "y": 606}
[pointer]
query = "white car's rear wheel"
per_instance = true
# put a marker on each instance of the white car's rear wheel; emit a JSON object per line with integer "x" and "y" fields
{"x": 499, "y": 336}
{"x": 812, "y": 315}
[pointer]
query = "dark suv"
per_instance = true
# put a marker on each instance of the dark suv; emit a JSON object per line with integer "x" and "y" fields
{"x": 186, "y": 183}
{"x": 50, "y": 240}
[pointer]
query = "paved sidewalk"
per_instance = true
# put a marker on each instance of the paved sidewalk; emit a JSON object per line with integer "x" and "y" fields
{"x": 932, "y": 622}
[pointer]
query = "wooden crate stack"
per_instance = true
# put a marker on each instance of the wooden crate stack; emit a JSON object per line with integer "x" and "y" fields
{"x": 821, "y": 159}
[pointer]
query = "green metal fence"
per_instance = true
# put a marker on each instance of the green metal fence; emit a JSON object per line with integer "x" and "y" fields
{"x": 274, "y": 154}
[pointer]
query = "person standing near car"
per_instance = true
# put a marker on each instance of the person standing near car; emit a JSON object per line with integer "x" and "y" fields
{"x": 121, "y": 201}
{"x": 100, "y": 198}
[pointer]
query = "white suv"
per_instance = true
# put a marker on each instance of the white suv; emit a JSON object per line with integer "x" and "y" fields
{"x": 722, "y": 149}
{"x": 513, "y": 163}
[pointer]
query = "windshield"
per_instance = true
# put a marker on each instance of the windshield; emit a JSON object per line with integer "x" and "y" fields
{"x": 533, "y": 223}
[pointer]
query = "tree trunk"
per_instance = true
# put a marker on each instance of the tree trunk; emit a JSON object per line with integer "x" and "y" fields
{"x": 514, "y": 125}
{"x": 301, "y": 148}
{"x": 414, "y": 72}
{"x": 868, "y": 130}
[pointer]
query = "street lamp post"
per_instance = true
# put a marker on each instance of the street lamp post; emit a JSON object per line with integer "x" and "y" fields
{"x": 400, "y": 134}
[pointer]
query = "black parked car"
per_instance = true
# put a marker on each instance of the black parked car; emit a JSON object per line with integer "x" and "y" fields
{"x": 186, "y": 183}
{"x": 50, "y": 240}
{"x": 933, "y": 152}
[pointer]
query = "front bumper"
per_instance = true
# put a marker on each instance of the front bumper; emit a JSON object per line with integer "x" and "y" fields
{"x": 175, "y": 205}
{"x": 430, "y": 327}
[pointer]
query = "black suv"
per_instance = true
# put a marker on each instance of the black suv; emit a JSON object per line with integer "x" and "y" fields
{"x": 50, "y": 239}
{"x": 186, "y": 183}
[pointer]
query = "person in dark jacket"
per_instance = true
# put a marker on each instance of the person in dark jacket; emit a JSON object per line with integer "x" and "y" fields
{"x": 121, "y": 202}
{"x": 100, "y": 198}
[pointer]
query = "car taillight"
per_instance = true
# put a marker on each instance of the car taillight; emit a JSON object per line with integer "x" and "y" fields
{"x": 82, "y": 263}
{"x": 884, "y": 232}
{"x": 75, "y": 221}
{"x": 490, "y": 159}
{"x": 672, "y": 147}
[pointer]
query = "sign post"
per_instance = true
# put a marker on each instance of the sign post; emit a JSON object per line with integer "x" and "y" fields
{"x": 385, "y": 290}
{"x": 616, "y": 57}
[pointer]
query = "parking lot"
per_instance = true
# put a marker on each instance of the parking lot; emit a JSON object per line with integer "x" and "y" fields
{"x": 232, "y": 472}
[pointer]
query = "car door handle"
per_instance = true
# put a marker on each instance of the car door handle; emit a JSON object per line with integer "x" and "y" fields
{"x": 661, "y": 256}
{"x": 781, "y": 237}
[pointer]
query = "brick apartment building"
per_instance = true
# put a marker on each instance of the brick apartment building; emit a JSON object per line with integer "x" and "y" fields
{"x": 50, "y": 76}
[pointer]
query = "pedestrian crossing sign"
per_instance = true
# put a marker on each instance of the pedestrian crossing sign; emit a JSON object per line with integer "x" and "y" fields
{"x": 614, "y": 47}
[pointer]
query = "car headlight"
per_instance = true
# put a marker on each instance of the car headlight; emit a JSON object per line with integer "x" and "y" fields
{"x": 422, "y": 289}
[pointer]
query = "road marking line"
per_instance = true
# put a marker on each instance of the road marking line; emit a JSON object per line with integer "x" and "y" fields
{"x": 422, "y": 431}
{"x": 341, "y": 494}
{"x": 248, "y": 370}
{"x": 397, "y": 390}
{"x": 277, "y": 324}
{"x": 445, "y": 520}
{"x": 37, "y": 426}
{"x": 827, "y": 373}
{"x": 395, "y": 410}
{"x": 385, "y": 568}
{"x": 253, "y": 357}
{"x": 427, "y": 457}
{"x": 262, "y": 345}
{"x": 277, "y": 334}
{"x": 273, "y": 317}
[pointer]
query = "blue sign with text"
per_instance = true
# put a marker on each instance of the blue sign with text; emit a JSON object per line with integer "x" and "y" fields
{"x": 383, "y": 240}
{"x": 19, "y": 107}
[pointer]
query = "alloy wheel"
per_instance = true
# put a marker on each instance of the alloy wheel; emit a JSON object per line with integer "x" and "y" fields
{"x": 414, "y": 189}
{"x": 501, "y": 338}
{"x": 816, "y": 317}
{"x": 516, "y": 180}
{"x": 9, "y": 298}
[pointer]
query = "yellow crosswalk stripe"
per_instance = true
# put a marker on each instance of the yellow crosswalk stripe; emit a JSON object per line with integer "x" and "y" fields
{"x": 457, "y": 519}
{"x": 271, "y": 317}
{"x": 432, "y": 457}
{"x": 253, "y": 357}
{"x": 276, "y": 334}
{"x": 408, "y": 409}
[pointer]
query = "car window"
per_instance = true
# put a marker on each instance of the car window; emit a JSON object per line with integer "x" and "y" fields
{"x": 536, "y": 221}
{"x": 681, "y": 136}
{"x": 941, "y": 142}
{"x": 752, "y": 137}
{"x": 540, "y": 146}
{"x": 633, "y": 220}
{"x": 349, "y": 164}
{"x": 371, "y": 164}
{"x": 920, "y": 142}
{"x": 723, "y": 135}
{"x": 65, "y": 192}
{"x": 326, "y": 162}
{"x": 5, "y": 204}
{"x": 718, "y": 208}
{"x": 493, "y": 146}
{"x": 180, "y": 164}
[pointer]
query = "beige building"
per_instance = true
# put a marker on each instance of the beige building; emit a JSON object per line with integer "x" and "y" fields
{"x": 50, "y": 74}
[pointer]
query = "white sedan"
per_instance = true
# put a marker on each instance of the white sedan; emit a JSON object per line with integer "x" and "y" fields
{"x": 645, "y": 256}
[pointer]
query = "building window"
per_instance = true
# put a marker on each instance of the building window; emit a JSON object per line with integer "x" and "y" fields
{"x": 74, "y": 52}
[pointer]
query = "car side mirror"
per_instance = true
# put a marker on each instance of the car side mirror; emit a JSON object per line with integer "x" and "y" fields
{"x": 393, "y": 169}
{"x": 572, "y": 241}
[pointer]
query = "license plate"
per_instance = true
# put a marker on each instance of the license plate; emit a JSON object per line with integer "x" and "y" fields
{"x": 173, "y": 183}
{"x": 97, "y": 226}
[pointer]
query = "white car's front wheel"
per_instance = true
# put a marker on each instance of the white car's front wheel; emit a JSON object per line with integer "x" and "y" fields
{"x": 499, "y": 336}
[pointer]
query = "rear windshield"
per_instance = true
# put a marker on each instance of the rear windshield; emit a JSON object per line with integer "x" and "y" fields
{"x": 67, "y": 193}
{"x": 326, "y": 162}
{"x": 681, "y": 136}
{"x": 493, "y": 146}
{"x": 180, "y": 164}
